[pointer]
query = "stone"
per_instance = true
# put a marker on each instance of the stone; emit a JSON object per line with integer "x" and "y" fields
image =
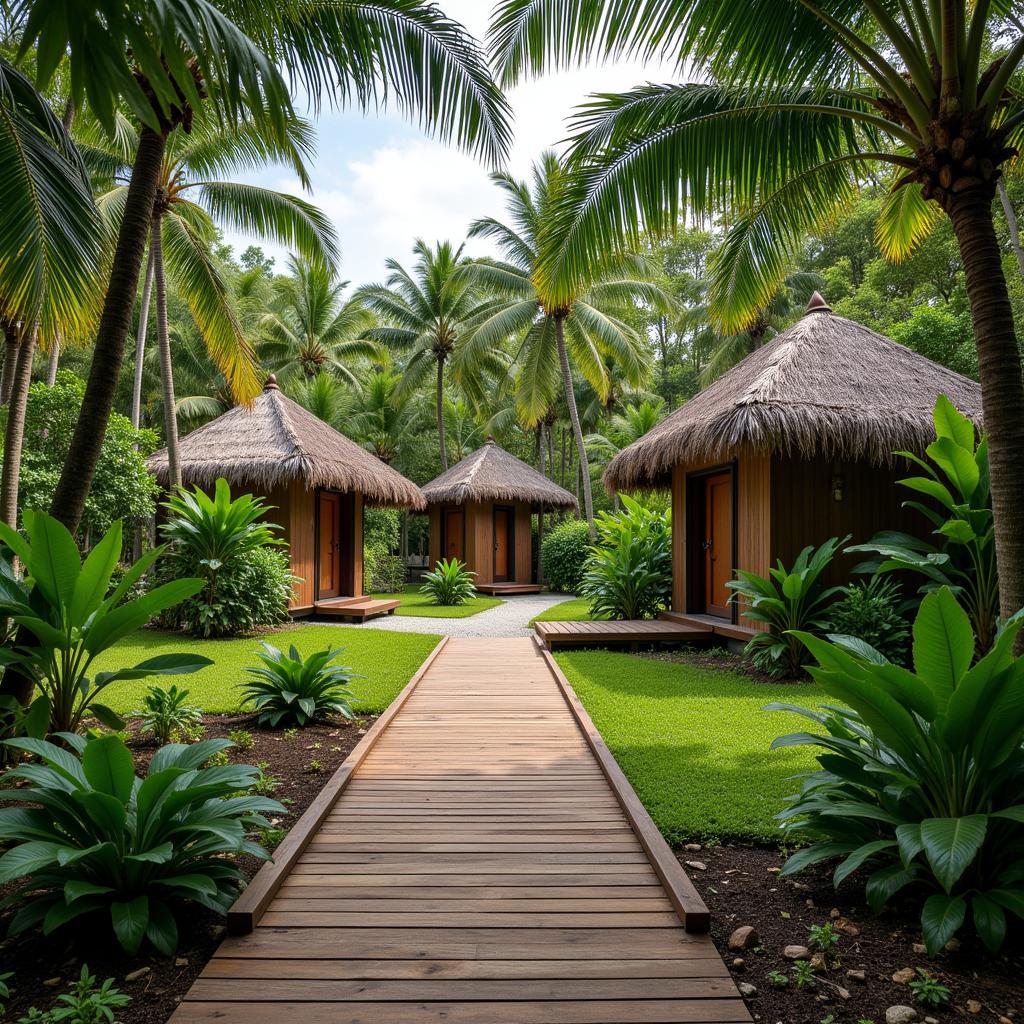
{"x": 696, "y": 865}
{"x": 181, "y": 961}
{"x": 973, "y": 1006}
{"x": 952, "y": 946}
{"x": 818, "y": 963}
{"x": 834, "y": 914}
{"x": 931, "y": 1020}
{"x": 843, "y": 993}
{"x": 900, "y": 1015}
{"x": 739, "y": 963}
{"x": 51, "y": 982}
{"x": 745, "y": 937}
{"x": 860, "y": 976}
{"x": 847, "y": 927}
{"x": 693, "y": 847}
{"x": 920, "y": 948}
{"x": 1005, "y": 1020}
{"x": 796, "y": 953}
{"x": 809, "y": 904}
{"x": 747, "y": 990}
{"x": 218, "y": 931}
{"x": 904, "y": 975}
{"x": 774, "y": 871}
{"x": 135, "y": 975}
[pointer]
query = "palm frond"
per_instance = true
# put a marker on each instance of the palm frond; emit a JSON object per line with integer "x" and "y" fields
{"x": 906, "y": 218}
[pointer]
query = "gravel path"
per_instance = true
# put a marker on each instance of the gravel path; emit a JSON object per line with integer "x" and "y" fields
{"x": 510, "y": 618}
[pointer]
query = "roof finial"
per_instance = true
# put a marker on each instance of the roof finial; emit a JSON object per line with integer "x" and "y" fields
{"x": 490, "y": 439}
{"x": 271, "y": 383}
{"x": 817, "y": 305}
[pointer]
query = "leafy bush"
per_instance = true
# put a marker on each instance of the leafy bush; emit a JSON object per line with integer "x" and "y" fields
{"x": 86, "y": 1003}
{"x": 164, "y": 713}
{"x": 386, "y": 575}
{"x": 383, "y": 572}
{"x": 225, "y": 542}
{"x": 921, "y": 773}
{"x": 870, "y": 611}
{"x": 451, "y": 583}
{"x": 628, "y": 575}
{"x": 289, "y": 689}
{"x": 68, "y": 606}
{"x": 565, "y": 551}
{"x": 789, "y": 599}
{"x": 964, "y": 557}
{"x": 123, "y": 850}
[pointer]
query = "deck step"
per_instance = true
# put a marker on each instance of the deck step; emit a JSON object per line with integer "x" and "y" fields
{"x": 614, "y": 632}
{"x": 719, "y": 627}
{"x": 360, "y": 608}
{"x": 509, "y": 588}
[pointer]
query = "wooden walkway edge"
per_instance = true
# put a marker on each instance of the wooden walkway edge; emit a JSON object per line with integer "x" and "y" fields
{"x": 482, "y": 861}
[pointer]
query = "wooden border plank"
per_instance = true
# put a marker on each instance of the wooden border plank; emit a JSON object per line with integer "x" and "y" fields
{"x": 246, "y": 911}
{"x": 692, "y": 910}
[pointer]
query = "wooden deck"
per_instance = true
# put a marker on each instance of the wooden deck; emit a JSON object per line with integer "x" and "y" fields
{"x": 509, "y": 588}
{"x": 479, "y": 859}
{"x": 625, "y": 631}
{"x": 356, "y": 609}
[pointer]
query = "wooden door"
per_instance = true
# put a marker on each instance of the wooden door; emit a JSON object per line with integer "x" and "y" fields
{"x": 454, "y": 520}
{"x": 717, "y": 543}
{"x": 329, "y": 543}
{"x": 503, "y": 544}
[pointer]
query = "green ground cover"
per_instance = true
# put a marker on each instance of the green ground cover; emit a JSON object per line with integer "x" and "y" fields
{"x": 415, "y": 603}
{"x": 693, "y": 741}
{"x": 385, "y": 660}
{"x": 576, "y": 609}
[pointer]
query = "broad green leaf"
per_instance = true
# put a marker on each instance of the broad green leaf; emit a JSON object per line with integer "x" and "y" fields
{"x": 943, "y": 641}
{"x": 27, "y": 858}
{"x": 858, "y": 857}
{"x": 162, "y": 665}
{"x": 162, "y": 930}
{"x": 951, "y": 844}
{"x": 951, "y": 423}
{"x": 105, "y": 812}
{"x": 989, "y": 921}
{"x": 814, "y": 855}
{"x": 55, "y": 562}
{"x": 905, "y": 219}
{"x": 958, "y": 530}
{"x": 109, "y": 768}
{"x": 106, "y": 716}
{"x": 94, "y": 579}
{"x": 130, "y": 921}
{"x": 76, "y": 888}
{"x": 958, "y": 464}
{"x": 941, "y": 917}
{"x": 885, "y": 883}
{"x": 116, "y": 624}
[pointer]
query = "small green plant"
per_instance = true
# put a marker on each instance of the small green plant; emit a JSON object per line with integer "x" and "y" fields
{"x": 88, "y": 1004}
{"x": 270, "y": 838}
{"x": 823, "y": 937}
{"x": 315, "y": 766}
{"x": 165, "y": 714}
{"x": 869, "y": 611}
{"x": 778, "y": 979}
{"x": 928, "y": 990}
{"x": 290, "y": 733}
{"x": 803, "y": 973}
{"x": 265, "y": 784}
{"x": 241, "y": 739}
{"x": 828, "y": 1019}
{"x": 290, "y": 689}
{"x": 5, "y": 990}
{"x": 217, "y": 759}
{"x": 450, "y": 584}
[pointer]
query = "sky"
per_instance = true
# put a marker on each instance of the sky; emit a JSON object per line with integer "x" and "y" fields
{"x": 384, "y": 183}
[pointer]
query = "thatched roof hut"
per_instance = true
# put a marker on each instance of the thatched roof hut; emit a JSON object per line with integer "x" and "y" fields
{"x": 825, "y": 387}
{"x": 493, "y": 474}
{"x": 275, "y": 442}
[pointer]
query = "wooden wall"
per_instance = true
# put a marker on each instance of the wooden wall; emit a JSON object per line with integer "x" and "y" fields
{"x": 479, "y": 548}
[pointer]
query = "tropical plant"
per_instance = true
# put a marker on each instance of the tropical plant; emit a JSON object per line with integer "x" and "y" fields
{"x": 386, "y": 573}
{"x": 964, "y": 558}
{"x": 623, "y": 429}
{"x": 577, "y": 327}
{"x": 384, "y": 415}
{"x": 923, "y": 91}
{"x": 628, "y": 573}
{"x": 921, "y": 773}
{"x": 87, "y": 1002}
{"x": 293, "y": 690}
{"x": 928, "y": 990}
{"x": 869, "y": 610}
{"x": 787, "y": 600}
{"x": 67, "y": 606}
{"x": 450, "y": 583}
{"x": 565, "y": 551}
{"x": 97, "y": 840}
{"x": 166, "y": 714}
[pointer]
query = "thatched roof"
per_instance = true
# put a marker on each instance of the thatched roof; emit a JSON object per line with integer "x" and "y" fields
{"x": 826, "y": 386}
{"x": 275, "y": 441}
{"x": 493, "y": 474}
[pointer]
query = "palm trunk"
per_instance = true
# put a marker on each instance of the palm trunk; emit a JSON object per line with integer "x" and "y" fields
{"x": 164, "y": 344}
{"x": 1011, "y": 222}
{"x": 577, "y": 430}
{"x": 115, "y": 322}
{"x": 14, "y": 435}
{"x": 11, "y": 340}
{"x": 440, "y": 414}
{"x": 53, "y": 360}
{"x": 140, "y": 343}
{"x": 1002, "y": 387}
{"x": 540, "y": 511}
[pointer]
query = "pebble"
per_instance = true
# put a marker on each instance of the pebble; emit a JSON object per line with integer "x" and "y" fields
{"x": 920, "y": 948}
{"x": 693, "y": 847}
{"x": 973, "y": 1006}
{"x": 1005, "y": 1020}
{"x": 51, "y": 982}
{"x": 796, "y": 952}
{"x": 900, "y": 1015}
{"x": 834, "y": 914}
{"x": 931, "y": 1020}
{"x": 745, "y": 937}
{"x": 843, "y": 993}
{"x": 904, "y": 976}
{"x": 739, "y": 963}
{"x": 135, "y": 975}
{"x": 696, "y": 865}
{"x": 774, "y": 871}
{"x": 818, "y": 963}
{"x": 860, "y": 976}
{"x": 847, "y": 927}
{"x": 809, "y": 903}
{"x": 218, "y": 931}
{"x": 180, "y": 961}
{"x": 747, "y": 990}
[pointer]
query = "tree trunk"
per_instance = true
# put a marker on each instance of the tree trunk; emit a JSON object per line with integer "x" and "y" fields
{"x": 440, "y": 414}
{"x": 1011, "y": 222}
{"x": 164, "y": 344}
{"x": 11, "y": 341}
{"x": 14, "y": 436}
{"x": 140, "y": 343}
{"x": 1002, "y": 387}
{"x": 53, "y": 360}
{"x": 115, "y": 322}
{"x": 577, "y": 430}
{"x": 540, "y": 511}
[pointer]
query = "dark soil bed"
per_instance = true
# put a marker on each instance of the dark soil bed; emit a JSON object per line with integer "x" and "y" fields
{"x": 43, "y": 968}
{"x": 741, "y": 887}
{"x": 714, "y": 657}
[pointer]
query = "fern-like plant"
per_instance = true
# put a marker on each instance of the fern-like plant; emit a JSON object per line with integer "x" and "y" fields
{"x": 451, "y": 583}
{"x": 165, "y": 713}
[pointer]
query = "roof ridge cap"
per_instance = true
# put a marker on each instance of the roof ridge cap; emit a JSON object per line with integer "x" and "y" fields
{"x": 282, "y": 413}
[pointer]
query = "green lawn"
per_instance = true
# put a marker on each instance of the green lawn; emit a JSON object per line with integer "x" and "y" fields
{"x": 576, "y": 609}
{"x": 694, "y": 742}
{"x": 415, "y": 603}
{"x": 387, "y": 662}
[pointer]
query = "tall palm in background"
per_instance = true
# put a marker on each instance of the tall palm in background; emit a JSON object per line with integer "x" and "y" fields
{"x": 801, "y": 101}
{"x": 313, "y": 327}
{"x": 384, "y": 415}
{"x": 622, "y": 430}
{"x": 580, "y": 327}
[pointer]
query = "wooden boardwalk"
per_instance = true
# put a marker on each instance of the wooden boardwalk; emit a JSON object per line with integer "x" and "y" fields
{"x": 484, "y": 863}
{"x": 618, "y": 631}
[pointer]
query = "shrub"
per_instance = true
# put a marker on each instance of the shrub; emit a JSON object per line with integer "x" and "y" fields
{"x": 289, "y": 689}
{"x": 86, "y": 1003}
{"x": 869, "y": 611}
{"x": 68, "y": 606}
{"x": 120, "y": 849}
{"x": 565, "y": 551}
{"x": 386, "y": 575}
{"x": 628, "y": 575}
{"x": 383, "y": 572}
{"x": 789, "y": 599}
{"x": 451, "y": 583}
{"x": 921, "y": 773}
{"x": 164, "y": 713}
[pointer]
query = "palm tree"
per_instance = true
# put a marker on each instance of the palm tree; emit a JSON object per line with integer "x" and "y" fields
{"x": 622, "y": 430}
{"x": 384, "y": 415}
{"x": 325, "y": 396}
{"x": 801, "y": 101}
{"x": 167, "y": 61}
{"x": 314, "y": 327}
{"x": 424, "y": 312}
{"x": 580, "y": 328}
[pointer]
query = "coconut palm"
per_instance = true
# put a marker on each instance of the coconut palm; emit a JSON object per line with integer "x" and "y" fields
{"x": 423, "y": 313}
{"x": 580, "y": 328}
{"x": 167, "y": 61}
{"x": 624, "y": 428}
{"x": 325, "y": 396}
{"x": 384, "y": 415}
{"x": 314, "y": 327}
{"x": 800, "y": 100}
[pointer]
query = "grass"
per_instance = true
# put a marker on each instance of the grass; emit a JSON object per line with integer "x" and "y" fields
{"x": 694, "y": 741}
{"x": 386, "y": 661}
{"x": 576, "y": 609}
{"x": 415, "y": 603}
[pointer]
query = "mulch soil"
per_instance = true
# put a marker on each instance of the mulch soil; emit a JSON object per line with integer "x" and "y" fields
{"x": 741, "y": 887}
{"x": 43, "y": 968}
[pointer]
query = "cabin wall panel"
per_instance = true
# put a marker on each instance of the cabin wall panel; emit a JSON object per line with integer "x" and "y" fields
{"x": 524, "y": 543}
{"x": 435, "y": 536}
{"x": 357, "y": 558}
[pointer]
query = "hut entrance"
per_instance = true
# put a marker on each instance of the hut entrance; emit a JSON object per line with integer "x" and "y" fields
{"x": 504, "y": 543}
{"x": 712, "y": 547}
{"x": 335, "y": 545}
{"x": 454, "y": 533}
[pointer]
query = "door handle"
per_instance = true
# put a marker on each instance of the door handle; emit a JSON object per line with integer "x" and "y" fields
{"x": 707, "y": 545}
